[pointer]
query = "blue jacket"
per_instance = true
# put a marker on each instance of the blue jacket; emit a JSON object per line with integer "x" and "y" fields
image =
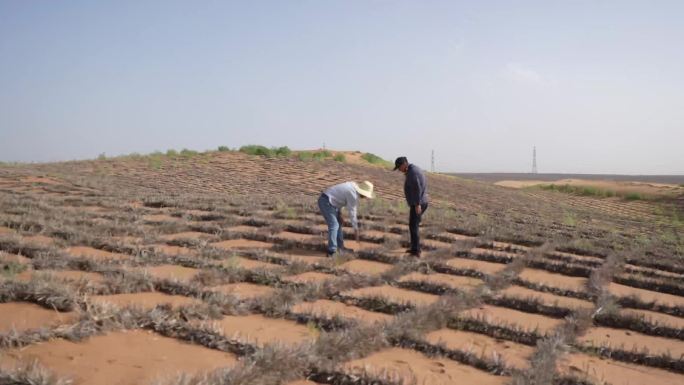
{"x": 415, "y": 186}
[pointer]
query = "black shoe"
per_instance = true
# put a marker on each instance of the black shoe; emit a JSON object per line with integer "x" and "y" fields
{"x": 346, "y": 250}
{"x": 415, "y": 253}
{"x": 329, "y": 254}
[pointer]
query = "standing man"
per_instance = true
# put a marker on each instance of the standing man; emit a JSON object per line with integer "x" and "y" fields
{"x": 415, "y": 191}
{"x": 331, "y": 203}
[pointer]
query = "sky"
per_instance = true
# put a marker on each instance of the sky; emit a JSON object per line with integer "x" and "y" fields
{"x": 597, "y": 86}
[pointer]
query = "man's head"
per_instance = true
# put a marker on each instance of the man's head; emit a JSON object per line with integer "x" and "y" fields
{"x": 364, "y": 189}
{"x": 401, "y": 164}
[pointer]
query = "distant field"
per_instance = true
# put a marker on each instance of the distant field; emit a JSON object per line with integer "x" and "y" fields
{"x": 495, "y": 177}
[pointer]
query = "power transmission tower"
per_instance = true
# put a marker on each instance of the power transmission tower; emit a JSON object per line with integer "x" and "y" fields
{"x": 432, "y": 164}
{"x": 534, "y": 160}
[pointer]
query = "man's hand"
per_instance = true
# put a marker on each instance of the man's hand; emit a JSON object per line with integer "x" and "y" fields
{"x": 419, "y": 209}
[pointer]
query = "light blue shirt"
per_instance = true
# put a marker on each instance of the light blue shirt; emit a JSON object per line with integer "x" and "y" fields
{"x": 345, "y": 195}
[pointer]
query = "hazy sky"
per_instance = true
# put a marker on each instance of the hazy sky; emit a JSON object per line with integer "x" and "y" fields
{"x": 597, "y": 86}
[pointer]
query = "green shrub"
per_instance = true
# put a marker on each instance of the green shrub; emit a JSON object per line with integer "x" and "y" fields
{"x": 569, "y": 219}
{"x": 340, "y": 158}
{"x": 155, "y": 162}
{"x": 188, "y": 153}
{"x": 282, "y": 151}
{"x": 224, "y": 148}
{"x": 320, "y": 155}
{"x": 254, "y": 149}
{"x": 587, "y": 191}
{"x": 633, "y": 196}
{"x": 314, "y": 155}
{"x": 591, "y": 191}
{"x": 102, "y": 156}
{"x": 171, "y": 152}
{"x": 283, "y": 211}
{"x": 374, "y": 159}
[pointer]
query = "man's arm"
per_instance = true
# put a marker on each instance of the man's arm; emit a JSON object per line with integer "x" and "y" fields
{"x": 413, "y": 193}
{"x": 353, "y": 209}
{"x": 420, "y": 189}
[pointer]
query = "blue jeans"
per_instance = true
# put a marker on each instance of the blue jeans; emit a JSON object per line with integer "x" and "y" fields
{"x": 331, "y": 215}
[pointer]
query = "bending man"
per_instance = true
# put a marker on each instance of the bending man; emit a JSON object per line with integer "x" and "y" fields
{"x": 331, "y": 203}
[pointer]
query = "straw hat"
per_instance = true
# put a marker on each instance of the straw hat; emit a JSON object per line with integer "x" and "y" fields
{"x": 365, "y": 188}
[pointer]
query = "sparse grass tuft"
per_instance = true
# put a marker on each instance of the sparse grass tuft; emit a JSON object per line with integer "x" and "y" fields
{"x": 578, "y": 190}
{"x": 412, "y": 325}
{"x": 223, "y": 148}
{"x": 569, "y": 219}
{"x": 340, "y": 158}
{"x": 606, "y": 305}
{"x": 503, "y": 279}
{"x": 11, "y": 269}
{"x": 340, "y": 346}
{"x": 31, "y": 373}
{"x": 542, "y": 370}
{"x": 42, "y": 289}
{"x": 591, "y": 191}
{"x": 576, "y": 324}
{"x": 601, "y": 277}
{"x": 128, "y": 282}
{"x": 278, "y": 304}
{"x": 283, "y": 211}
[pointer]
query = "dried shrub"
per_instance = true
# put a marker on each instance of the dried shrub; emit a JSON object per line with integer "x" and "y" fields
{"x": 31, "y": 373}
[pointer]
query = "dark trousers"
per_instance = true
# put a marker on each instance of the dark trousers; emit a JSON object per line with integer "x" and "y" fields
{"x": 414, "y": 223}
